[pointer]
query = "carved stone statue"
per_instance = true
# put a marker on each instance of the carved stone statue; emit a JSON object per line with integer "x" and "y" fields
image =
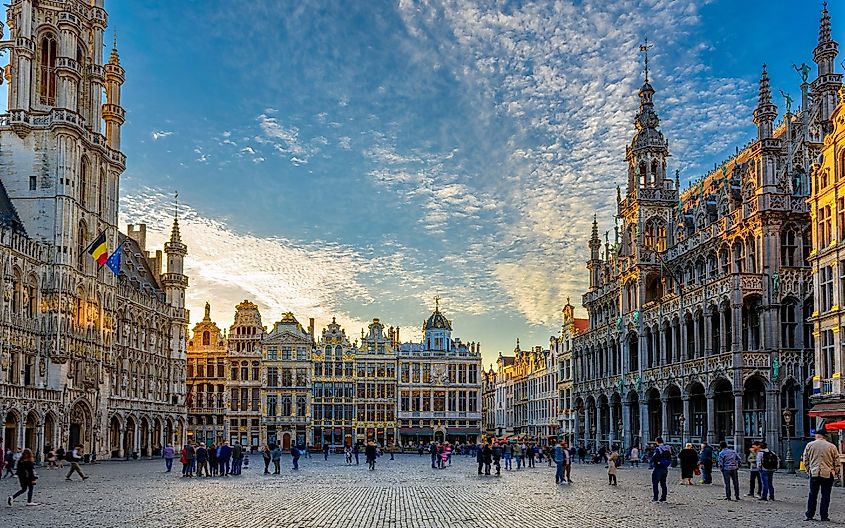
{"x": 775, "y": 283}
{"x": 775, "y": 368}
{"x": 636, "y": 318}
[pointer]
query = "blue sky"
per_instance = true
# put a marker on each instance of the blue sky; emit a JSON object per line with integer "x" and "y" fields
{"x": 358, "y": 158}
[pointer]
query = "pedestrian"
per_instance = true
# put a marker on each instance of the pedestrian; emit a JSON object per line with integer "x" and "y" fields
{"x": 276, "y": 457}
{"x": 326, "y": 449}
{"x": 202, "y": 460}
{"x": 767, "y": 462}
{"x": 634, "y": 457}
{"x": 371, "y": 455}
{"x": 183, "y": 458}
{"x": 74, "y": 457}
{"x": 348, "y": 453}
{"x": 529, "y": 454}
{"x": 517, "y": 454}
{"x": 570, "y": 456}
{"x": 433, "y": 450}
{"x": 688, "y": 459}
{"x": 445, "y": 455}
{"x": 307, "y": 450}
{"x": 237, "y": 458}
{"x": 168, "y": 455}
{"x": 729, "y": 462}
{"x": 821, "y": 461}
{"x": 60, "y": 457}
{"x": 755, "y": 485}
{"x": 295, "y": 454}
{"x": 26, "y": 477}
{"x": 9, "y": 459}
{"x": 561, "y": 454}
{"x": 661, "y": 460}
{"x": 508, "y": 454}
{"x": 212, "y": 460}
{"x": 224, "y": 455}
{"x": 582, "y": 453}
{"x": 497, "y": 457}
{"x": 356, "y": 450}
{"x": 392, "y": 448}
{"x": 612, "y": 467}
{"x": 265, "y": 454}
{"x": 705, "y": 457}
{"x": 51, "y": 459}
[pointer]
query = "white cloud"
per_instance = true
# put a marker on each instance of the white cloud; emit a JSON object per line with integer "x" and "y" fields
{"x": 161, "y": 134}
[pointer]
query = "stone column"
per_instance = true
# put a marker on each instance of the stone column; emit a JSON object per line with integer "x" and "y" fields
{"x": 599, "y": 432}
{"x": 588, "y": 422}
{"x": 773, "y": 420}
{"x": 739, "y": 423}
{"x": 664, "y": 418}
{"x": 149, "y": 441}
{"x": 39, "y": 443}
{"x": 683, "y": 337}
{"x": 708, "y": 333}
{"x": 723, "y": 326}
{"x": 698, "y": 351}
{"x": 687, "y": 422}
{"x": 645, "y": 432}
{"x": 711, "y": 420}
{"x": 661, "y": 338}
{"x": 120, "y": 452}
{"x": 613, "y": 424}
{"x": 736, "y": 327}
{"x": 627, "y": 428}
{"x": 137, "y": 440}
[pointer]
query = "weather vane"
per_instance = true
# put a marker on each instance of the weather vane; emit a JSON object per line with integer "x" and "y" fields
{"x": 644, "y": 47}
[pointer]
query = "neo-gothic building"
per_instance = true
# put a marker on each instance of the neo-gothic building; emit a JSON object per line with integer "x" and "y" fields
{"x": 86, "y": 356}
{"x": 697, "y": 314}
{"x": 561, "y": 347}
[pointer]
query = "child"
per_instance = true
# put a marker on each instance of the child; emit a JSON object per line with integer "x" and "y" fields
{"x": 348, "y": 452}
{"x": 611, "y": 467}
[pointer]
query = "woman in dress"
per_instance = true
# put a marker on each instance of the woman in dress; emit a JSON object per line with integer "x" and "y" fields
{"x": 688, "y": 459}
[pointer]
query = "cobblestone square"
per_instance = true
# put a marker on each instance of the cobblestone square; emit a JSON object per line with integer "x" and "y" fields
{"x": 404, "y": 492}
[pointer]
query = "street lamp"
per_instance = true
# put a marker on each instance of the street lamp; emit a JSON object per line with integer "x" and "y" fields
{"x": 683, "y": 421}
{"x": 790, "y": 464}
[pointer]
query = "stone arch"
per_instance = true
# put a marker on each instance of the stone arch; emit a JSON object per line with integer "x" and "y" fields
{"x": 51, "y": 439}
{"x": 129, "y": 435}
{"x": 116, "y": 423}
{"x": 30, "y": 436}
{"x": 754, "y": 406}
{"x": 81, "y": 425}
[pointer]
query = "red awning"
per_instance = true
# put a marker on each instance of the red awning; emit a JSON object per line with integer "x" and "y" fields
{"x": 828, "y": 409}
{"x": 838, "y": 426}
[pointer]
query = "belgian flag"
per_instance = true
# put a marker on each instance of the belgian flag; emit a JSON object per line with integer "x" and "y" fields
{"x": 98, "y": 249}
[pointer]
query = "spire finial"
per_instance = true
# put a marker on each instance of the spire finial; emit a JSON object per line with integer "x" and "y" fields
{"x": 644, "y": 47}
{"x": 176, "y": 205}
{"x": 824, "y": 26}
{"x": 114, "y": 40}
{"x": 436, "y": 303}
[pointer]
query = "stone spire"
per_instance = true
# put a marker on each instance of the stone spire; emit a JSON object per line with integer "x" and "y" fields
{"x": 766, "y": 111}
{"x": 825, "y": 88}
{"x": 648, "y": 151}
{"x": 113, "y": 113}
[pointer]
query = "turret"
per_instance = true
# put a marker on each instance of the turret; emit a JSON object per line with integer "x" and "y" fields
{"x": 766, "y": 111}
{"x": 113, "y": 113}
{"x": 594, "y": 264}
{"x": 825, "y": 87}
{"x": 175, "y": 281}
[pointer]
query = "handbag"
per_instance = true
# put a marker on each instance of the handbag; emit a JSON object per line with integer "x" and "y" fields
{"x": 801, "y": 466}
{"x": 697, "y": 470}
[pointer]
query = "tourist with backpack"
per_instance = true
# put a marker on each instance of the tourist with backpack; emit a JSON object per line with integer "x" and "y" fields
{"x": 661, "y": 459}
{"x": 75, "y": 457}
{"x": 729, "y": 462}
{"x": 768, "y": 463}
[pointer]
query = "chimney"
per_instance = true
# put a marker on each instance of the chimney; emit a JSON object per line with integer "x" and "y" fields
{"x": 138, "y": 234}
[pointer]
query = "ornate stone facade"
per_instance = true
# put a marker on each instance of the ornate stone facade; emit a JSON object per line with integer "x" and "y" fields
{"x": 696, "y": 312}
{"x": 562, "y": 349}
{"x": 86, "y": 356}
{"x": 207, "y": 376}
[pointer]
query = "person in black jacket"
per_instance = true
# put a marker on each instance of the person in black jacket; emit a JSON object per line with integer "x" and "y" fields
{"x": 26, "y": 477}
{"x": 371, "y": 455}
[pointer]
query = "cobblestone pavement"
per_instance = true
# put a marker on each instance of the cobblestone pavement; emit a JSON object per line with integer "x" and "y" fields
{"x": 402, "y": 493}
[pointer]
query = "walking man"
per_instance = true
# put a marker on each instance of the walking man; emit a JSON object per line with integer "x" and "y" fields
{"x": 561, "y": 455}
{"x": 821, "y": 461}
{"x": 75, "y": 457}
{"x": 356, "y": 450}
{"x": 662, "y": 460}
{"x": 508, "y": 452}
{"x": 326, "y": 449}
{"x": 434, "y": 456}
{"x": 706, "y": 459}
{"x": 202, "y": 460}
{"x": 276, "y": 457}
{"x": 371, "y": 455}
{"x": 729, "y": 462}
{"x": 168, "y": 454}
{"x": 755, "y": 480}
{"x": 295, "y": 454}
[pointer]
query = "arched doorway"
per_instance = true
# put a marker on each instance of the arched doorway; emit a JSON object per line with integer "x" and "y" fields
{"x": 168, "y": 431}
{"x": 129, "y": 437}
{"x": 286, "y": 442}
{"x": 675, "y": 407}
{"x": 10, "y": 434}
{"x": 697, "y": 426}
{"x": 754, "y": 410}
{"x": 616, "y": 424}
{"x": 724, "y": 403}
{"x": 604, "y": 424}
{"x": 655, "y": 414}
{"x": 30, "y": 436}
{"x": 634, "y": 403}
{"x": 50, "y": 431}
{"x": 80, "y": 430}
{"x": 145, "y": 430}
{"x": 114, "y": 436}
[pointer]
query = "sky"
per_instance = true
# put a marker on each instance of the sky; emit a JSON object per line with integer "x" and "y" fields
{"x": 357, "y": 159}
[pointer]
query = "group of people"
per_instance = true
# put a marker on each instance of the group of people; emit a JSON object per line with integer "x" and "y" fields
{"x": 21, "y": 464}
{"x": 820, "y": 460}
{"x": 212, "y": 461}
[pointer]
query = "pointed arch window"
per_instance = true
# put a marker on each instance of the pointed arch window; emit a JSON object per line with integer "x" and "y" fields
{"x": 47, "y": 70}
{"x": 102, "y": 191}
{"x": 81, "y": 244}
{"x": 83, "y": 181}
{"x": 788, "y": 247}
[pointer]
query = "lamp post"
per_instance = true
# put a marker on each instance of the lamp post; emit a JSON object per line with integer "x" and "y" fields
{"x": 790, "y": 463}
